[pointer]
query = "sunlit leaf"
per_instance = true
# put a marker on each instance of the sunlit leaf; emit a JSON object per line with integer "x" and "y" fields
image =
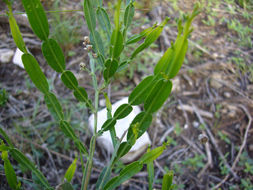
{"x": 71, "y": 171}
{"x": 15, "y": 32}
{"x": 152, "y": 155}
{"x": 158, "y": 95}
{"x": 37, "y": 18}
{"x": 167, "y": 181}
{"x": 33, "y": 69}
{"x": 141, "y": 91}
{"x": 54, "y": 55}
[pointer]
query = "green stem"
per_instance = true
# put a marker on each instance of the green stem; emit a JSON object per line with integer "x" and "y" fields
{"x": 89, "y": 164}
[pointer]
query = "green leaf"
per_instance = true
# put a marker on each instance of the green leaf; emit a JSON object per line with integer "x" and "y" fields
{"x": 3, "y": 147}
{"x": 54, "y": 55}
{"x": 65, "y": 186}
{"x": 122, "y": 66}
{"x": 173, "y": 67}
{"x": 111, "y": 68}
{"x": 165, "y": 61}
{"x": 54, "y": 106}
{"x": 37, "y": 18}
{"x": 129, "y": 14}
{"x": 139, "y": 125}
{"x": 97, "y": 43}
{"x": 152, "y": 37}
{"x": 124, "y": 148}
{"x": 71, "y": 171}
{"x": 167, "y": 181}
{"x": 103, "y": 177}
{"x": 137, "y": 37}
{"x": 124, "y": 175}
{"x": 5, "y": 136}
{"x": 15, "y": 32}
{"x": 67, "y": 130}
{"x": 104, "y": 20}
{"x": 123, "y": 111}
{"x": 33, "y": 69}
{"x": 116, "y": 44}
{"x": 89, "y": 15}
{"x": 81, "y": 147}
{"x": 26, "y": 163}
{"x": 69, "y": 80}
{"x": 141, "y": 91}
{"x": 9, "y": 171}
{"x": 152, "y": 155}
{"x": 81, "y": 94}
{"x": 150, "y": 169}
{"x": 158, "y": 95}
{"x": 108, "y": 124}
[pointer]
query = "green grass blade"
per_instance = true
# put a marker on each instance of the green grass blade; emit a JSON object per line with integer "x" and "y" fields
{"x": 54, "y": 55}
{"x": 33, "y": 69}
{"x": 37, "y": 18}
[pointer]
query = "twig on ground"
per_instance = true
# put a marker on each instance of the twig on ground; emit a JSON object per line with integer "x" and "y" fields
{"x": 241, "y": 147}
{"x": 213, "y": 140}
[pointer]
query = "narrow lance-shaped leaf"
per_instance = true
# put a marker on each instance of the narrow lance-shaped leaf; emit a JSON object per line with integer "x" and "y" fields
{"x": 152, "y": 37}
{"x": 5, "y": 136}
{"x": 33, "y": 69}
{"x": 111, "y": 68}
{"x": 150, "y": 169}
{"x": 116, "y": 44}
{"x": 81, "y": 94}
{"x": 97, "y": 43}
{"x": 9, "y": 171}
{"x": 141, "y": 91}
{"x": 71, "y": 171}
{"x": 139, "y": 125}
{"x": 15, "y": 32}
{"x": 158, "y": 95}
{"x": 65, "y": 186}
{"x": 124, "y": 175}
{"x": 123, "y": 150}
{"x": 137, "y": 37}
{"x": 152, "y": 155}
{"x": 123, "y": 111}
{"x": 37, "y": 18}
{"x": 25, "y": 162}
{"x": 167, "y": 181}
{"x": 108, "y": 124}
{"x": 89, "y": 14}
{"x": 54, "y": 55}
{"x": 104, "y": 21}
{"x": 69, "y": 80}
{"x": 102, "y": 178}
{"x": 129, "y": 14}
{"x": 54, "y": 106}
{"x": 67, "y": 130}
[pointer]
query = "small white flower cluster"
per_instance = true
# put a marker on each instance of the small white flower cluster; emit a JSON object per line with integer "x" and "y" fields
{"x": 88, "y": 46}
